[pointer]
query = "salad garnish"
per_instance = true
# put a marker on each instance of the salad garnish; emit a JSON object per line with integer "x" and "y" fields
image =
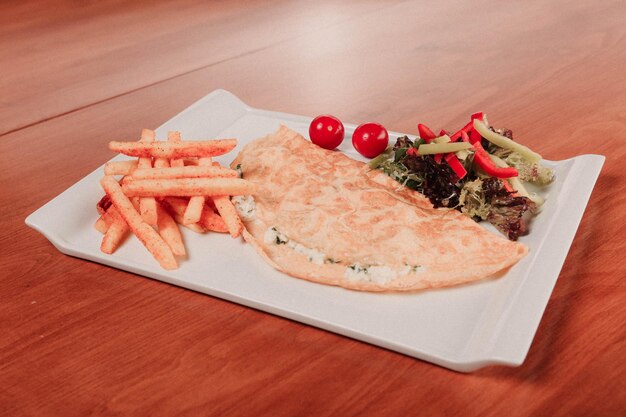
{"x": 479, "y": 170}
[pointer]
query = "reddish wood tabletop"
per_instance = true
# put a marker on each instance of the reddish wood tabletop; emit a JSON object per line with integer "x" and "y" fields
{"x": 78, "y": 338}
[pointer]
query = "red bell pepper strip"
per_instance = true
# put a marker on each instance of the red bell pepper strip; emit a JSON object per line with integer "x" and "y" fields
{"x": 481, "y": 157}
{"x": 456, "y": 165}
{"x": 412, "y": 152}
{"x": 465, "y": 129}
{"x": 452, "y": 160}
{"x": 425, "y": 133}
{"x": 474, "y": 137}
{"x": 473, "y": 133}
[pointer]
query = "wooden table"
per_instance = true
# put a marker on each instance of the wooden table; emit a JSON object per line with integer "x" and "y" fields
{"x": 78, "y": 338}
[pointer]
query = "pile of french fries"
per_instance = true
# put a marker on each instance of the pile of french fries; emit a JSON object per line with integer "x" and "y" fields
{"x": 171, "y": 183}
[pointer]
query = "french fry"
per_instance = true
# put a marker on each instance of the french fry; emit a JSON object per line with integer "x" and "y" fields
{"x": 168, "y": 229}
{"x": 177, "y": 208}
{"x": 188, "y": 187}
{"x": 174, "y": 150}
{"x": 193, "y": 212}
{"x": 147, "y": 205}
{"x": 229, "y": 214}
{"x": 196, "y": 203}
{"x": 195, "y": 227}
{"x": 148, "y": 210}
{"x": 120, "y": 167}
{"x": 176, "y": 204}
{"x": 172, "y": 182}
{"x": 101, "y": 225}
{"x": 118, "y": 228}
{"x": 209, "y": 220}
{"x": 144, "y": 232}
{"x": 184, "y": 172}
{"x": 106, "y": 219}
{"x": 212, "y": 221}
{"x": 174, "y": 137}
{"x": 161, "y": 163}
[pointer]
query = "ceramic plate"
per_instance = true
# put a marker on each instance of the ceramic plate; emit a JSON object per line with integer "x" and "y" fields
{"x": 462, "y": 328}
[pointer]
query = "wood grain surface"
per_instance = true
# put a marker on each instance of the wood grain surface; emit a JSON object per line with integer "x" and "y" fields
{"x": 79, "y": 339}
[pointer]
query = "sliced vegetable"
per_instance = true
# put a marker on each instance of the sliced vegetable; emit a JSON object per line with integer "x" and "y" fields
{"x": 456, "y": 165}
{"x": 468, "y": 127}
{"x": 532, "y": 172}
{"x": 504, "y": 142}
{"x": 435, "y": 148}
{"x": 450, "y": 158}
{"x": 441, "y": 139}
{"x": 425, "y": 133}
{"x": 473, "y": 179}
{"x": 481, "y": 157}
{"x": 474, "y": 135}
{"x": 516, "y": 184}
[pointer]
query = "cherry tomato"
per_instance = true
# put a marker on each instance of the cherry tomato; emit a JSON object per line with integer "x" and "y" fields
{"x": 326, "y": 131}
{"x": 370, "y": 139}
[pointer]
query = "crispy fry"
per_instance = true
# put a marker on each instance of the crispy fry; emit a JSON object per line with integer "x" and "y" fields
{"x": 119, "y": 167}
{"x": 148, "y": 210}
{"x": 172, "y": 182}
{"x": 161, "y": 163}
{"x": 174, "y": 137}
{"x": 184, "y": 172}
{"x": 177, "y": 208}
{"x": 106, "y": 218}
{"x": 118, "y": 228}
{"x": 174, "y": 150}
{"x": 209, "y": 220}
{"x": 101, "y": 225}
{"x": 212, "y": 221}
{"x": 147, "y": 137}
{"x": 168, "y": 229}
{"x": 195, "y": 227}
{"x": 144, "y": 232}
{"x": 193, "y": 212}
{"x": 188, "y": 187}
{"x": 196, "y": 203}
{"x": 176, "y": 205}
{"x": 147, "y": 205}
{"x": 229, "y": 214}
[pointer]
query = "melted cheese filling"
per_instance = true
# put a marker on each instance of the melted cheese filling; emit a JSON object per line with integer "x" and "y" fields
{"x": 273, "y": 236}
{"x": 246, "y": 207}
{"x": 379, "y": 274}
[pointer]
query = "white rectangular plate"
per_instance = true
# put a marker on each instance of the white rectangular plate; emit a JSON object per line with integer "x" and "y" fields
{"x": 462, "y": 328}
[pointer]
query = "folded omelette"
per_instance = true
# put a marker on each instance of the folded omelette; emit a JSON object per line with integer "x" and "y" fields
{"x": 322, "y": 216}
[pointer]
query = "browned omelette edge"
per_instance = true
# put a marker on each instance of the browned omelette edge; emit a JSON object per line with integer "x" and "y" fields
{"x": 298, "y": 265}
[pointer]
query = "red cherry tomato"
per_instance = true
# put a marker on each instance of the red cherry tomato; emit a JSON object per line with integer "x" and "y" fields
{"x": 370, "y": 139}
{"x": 326, "y": 131}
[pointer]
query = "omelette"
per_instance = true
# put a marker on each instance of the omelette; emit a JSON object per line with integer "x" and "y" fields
{"x": 324, "y": 217}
